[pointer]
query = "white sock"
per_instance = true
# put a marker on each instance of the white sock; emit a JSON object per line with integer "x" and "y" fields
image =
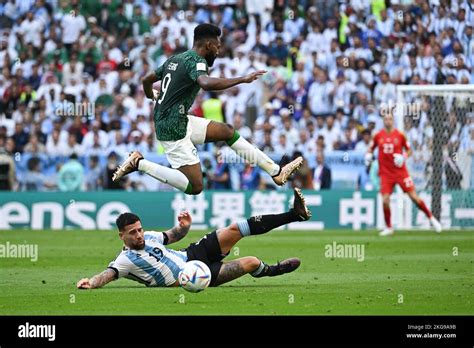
{"x": 164, "y": 174}
{"x": 254, "y": 156}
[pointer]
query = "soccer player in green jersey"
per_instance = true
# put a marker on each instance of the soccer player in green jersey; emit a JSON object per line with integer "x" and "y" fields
{"x": 182, "y": 76}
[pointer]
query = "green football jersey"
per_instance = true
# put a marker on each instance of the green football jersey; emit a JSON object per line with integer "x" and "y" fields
{"x": 179, "y": 88}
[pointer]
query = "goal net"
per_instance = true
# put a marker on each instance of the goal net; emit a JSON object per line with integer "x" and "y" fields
{"x": 438, "y": 121}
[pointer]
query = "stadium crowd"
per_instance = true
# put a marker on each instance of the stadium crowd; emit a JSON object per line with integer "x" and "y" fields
{"x": 72, "y": 105}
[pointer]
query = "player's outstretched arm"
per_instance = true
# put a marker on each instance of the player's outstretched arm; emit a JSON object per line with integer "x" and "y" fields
{"x": 97, "y": 281}
{"x": 147, "y": 83}
{"x": 216, "y": 84}
{"x": 178, "y": 232}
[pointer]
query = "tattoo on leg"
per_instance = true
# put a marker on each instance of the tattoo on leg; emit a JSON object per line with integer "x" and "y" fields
{"x": 230, "y": 271}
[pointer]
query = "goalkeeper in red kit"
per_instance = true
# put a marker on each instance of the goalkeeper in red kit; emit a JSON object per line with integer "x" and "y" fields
{"x": 392, "y": 170}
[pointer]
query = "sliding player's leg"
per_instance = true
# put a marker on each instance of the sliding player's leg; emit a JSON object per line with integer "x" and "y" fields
{"x": 235, "y": 269}
{"x": 422, "y": 206}
{"x": 217, "y": 131}
{"x": 257, "y": 268}
{"x": 230, "y": 235}
{"x": 215, "y": 246}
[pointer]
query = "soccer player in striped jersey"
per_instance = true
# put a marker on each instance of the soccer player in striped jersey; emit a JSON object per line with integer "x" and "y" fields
{"x": 392, "y": 170}
{"x": 147, "y": 259}
{"x": 182, "y": 76}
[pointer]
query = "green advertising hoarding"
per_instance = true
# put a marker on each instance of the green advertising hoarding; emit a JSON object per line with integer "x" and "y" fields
{"x": 214, "y": 209}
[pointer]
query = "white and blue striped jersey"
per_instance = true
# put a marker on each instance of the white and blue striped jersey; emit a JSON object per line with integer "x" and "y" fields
{"x": 154, "y": 265}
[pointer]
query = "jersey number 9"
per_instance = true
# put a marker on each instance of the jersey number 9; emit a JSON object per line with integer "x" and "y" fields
{"x": 164, "y": 87}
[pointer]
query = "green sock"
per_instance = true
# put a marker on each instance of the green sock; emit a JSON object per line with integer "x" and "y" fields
{"x": 234, "y": 138}
{"x": 252, "y": 155}
{"x": 189, "y": 189}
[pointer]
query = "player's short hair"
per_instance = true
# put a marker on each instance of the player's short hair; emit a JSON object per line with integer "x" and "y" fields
{"x": 126, "y": 219}
{"x": 206, "y": 31}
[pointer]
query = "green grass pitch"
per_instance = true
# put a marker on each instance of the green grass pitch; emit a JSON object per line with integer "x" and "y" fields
{"x": 411, "y": 273}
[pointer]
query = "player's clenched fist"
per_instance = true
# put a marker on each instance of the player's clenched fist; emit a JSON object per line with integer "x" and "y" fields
{"x": 83, "y": 284}
{"x": 398, "y": 160}
{"x": 184, "y": 219}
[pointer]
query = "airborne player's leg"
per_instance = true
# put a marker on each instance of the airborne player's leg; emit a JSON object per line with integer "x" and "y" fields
{"x": 135, "y": 162}
{"x": 186, "y": 178}
{"x": 217, "y": 131}
{"x": 185, "y": 174}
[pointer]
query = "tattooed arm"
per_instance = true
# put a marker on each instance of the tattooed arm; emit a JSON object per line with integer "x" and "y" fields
{"x": 178, "y": 232}
{"x": 97, "y": 281}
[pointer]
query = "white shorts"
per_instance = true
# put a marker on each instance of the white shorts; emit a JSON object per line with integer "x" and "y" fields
{"x": 182, "y": 152}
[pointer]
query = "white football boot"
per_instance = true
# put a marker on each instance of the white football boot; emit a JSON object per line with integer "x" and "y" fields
{"x": 388, "y": 231}
{"x": 436, "y": 224}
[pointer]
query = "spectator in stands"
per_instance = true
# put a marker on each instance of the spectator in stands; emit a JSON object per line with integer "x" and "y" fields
{"x": 250, "y": 178}
{"x": 243, "y": 130}
{"x": 34, "y": 147}
{"x": 7, "y": 168}
{"x": 283, "y": 147}
{"x": 207, "y": 171}
{"x": 93, "y": 177}
{"x": 108, "y": 184}
{"x": 363, "y": 144}
{"x": 267, "y": 146}
{"x": 71, "y": 175}
{"x": 72, "y": 147}
{"x": 321, "y": 174}
{"x": 20, "y": 137}
{"x": 319, "y": 94}
{"x": 289, "y": 129}
{"x": 136, "y": 142}
{"x": 306, "y": 145}
{"x": 385, "y": 91}
{"x": 34, "y": 179}
{"x": 331, "y": 134}
{"x": 55, "y": 147}
{"x": 346, "y": 143}
{"x": 220, "y": 178}
{"x": 213, "y": 108}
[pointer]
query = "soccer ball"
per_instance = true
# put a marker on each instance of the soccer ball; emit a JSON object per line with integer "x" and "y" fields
{"x": 195, "y": 276}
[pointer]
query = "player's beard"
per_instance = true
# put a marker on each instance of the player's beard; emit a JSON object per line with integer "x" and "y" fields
{"x": 210, "y": 59}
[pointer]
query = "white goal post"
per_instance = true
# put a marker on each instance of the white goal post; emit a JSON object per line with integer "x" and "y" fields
{"x": 438, "y": 121}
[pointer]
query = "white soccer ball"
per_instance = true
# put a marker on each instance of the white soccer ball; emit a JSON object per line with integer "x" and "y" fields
{"x": 195, "y": 276}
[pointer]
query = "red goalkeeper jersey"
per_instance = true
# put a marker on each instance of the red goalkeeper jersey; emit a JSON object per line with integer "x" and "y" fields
{"x": 390, "y": 144}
